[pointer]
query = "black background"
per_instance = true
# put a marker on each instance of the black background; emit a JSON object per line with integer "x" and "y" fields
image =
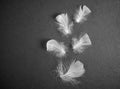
{"x": 25, "y": 27}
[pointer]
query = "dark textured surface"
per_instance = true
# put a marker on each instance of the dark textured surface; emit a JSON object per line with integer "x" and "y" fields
{"x": 25, "y": 27}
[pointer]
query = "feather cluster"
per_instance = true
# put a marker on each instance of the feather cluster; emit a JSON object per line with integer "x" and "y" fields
{"x": 70, "y": 73}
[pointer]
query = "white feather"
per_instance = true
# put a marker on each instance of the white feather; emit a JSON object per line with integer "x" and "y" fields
{"x": 64, "y": 24}
{"x": 56, "y": 47}
{"x": 75, "y": 70}
{"x": 79, "y": 45}
{"x": 80, "y": 15}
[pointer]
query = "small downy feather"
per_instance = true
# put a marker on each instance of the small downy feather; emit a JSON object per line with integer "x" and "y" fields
{"x": 65, "y": 26}
{"x": 79, "y": 45}
{"x": 75, "y": 70}
{"x": 81, "y": 13}
{"x": 56, "y": 47}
